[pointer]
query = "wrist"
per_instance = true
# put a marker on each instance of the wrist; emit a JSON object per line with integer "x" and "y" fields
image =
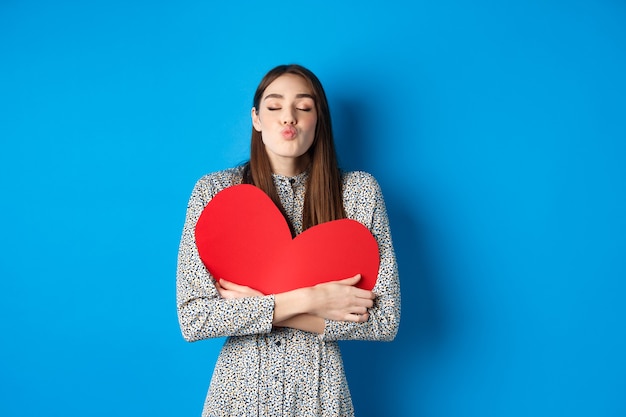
{"x": 307, "y": 300}
{"x": 292, "y": 303}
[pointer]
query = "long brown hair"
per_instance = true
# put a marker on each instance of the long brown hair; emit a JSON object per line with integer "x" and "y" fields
{"x": 323, "y": 199}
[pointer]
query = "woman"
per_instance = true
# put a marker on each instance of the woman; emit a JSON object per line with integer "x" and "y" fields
{"x": 281, "y": 356}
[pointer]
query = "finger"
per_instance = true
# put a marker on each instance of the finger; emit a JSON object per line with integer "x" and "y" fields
{"x": 358, "y": 292}
{"x": 230, "y": 285}
{"x": 359, "y": 310}
{"x": 363, "y": 317}
{"x": 224, "y": 293}
{"x": 357, "y": 318}
{"x": 349, "y": 281}
{"x": 364, "y": 302}
{"x": 361, "y": 293}
{"x": 239, "y": 290}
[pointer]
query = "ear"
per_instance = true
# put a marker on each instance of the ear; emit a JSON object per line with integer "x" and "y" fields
{"x": 256, "y": 122}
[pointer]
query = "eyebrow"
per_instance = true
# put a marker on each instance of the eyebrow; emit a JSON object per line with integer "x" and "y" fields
{"x": 301, "y": 95}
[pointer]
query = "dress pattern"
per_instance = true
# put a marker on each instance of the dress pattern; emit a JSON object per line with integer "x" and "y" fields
{"x": 265, "y": 371}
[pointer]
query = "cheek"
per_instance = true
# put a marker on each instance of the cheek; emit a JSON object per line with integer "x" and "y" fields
{"x": 311, "y": 123}
{"x": 266, "y": 139}
{"x": 266, "y": 117}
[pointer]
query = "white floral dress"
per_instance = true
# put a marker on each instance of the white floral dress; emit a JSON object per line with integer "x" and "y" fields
{"x": 266, "y": 371}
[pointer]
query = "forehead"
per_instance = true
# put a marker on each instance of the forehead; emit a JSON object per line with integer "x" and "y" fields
{"x": 288, "y": 85}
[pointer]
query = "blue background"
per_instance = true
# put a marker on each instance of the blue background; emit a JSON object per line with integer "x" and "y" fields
{"x": 497, "y": 132}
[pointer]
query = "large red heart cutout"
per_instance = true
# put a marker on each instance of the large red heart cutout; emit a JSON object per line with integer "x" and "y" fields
{"x": 242, "y": 237}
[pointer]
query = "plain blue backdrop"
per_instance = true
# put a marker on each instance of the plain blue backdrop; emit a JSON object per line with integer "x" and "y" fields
{"x": 496, "y": 130}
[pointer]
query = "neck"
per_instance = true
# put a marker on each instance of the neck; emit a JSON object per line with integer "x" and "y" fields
{"x": 290, "y": 167}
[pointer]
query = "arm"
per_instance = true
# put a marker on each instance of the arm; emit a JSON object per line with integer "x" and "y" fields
{"x": 364, "y": 202}
{"x": 306, "y": 322}
{"x": 307, "y": 308}
{"x": 208, "y": 309}
{"x": 202, "y": 312}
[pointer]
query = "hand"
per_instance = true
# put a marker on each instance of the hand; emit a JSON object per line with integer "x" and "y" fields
{"x": 229, "y": 289}
{"x": 342, "y": 301}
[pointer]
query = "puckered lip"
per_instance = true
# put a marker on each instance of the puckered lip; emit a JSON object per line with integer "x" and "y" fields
{"x": 288, "y": 132}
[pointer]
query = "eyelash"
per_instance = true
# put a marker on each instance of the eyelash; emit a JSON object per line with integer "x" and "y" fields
{"x": 278, "y": 108}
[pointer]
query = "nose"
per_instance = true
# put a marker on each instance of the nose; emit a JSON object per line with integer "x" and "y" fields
{"x": 289, "y": 118}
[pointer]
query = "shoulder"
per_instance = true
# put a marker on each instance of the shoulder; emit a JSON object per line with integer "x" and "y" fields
{"x": 360, "y": 189}
{"x": 359, "y": 181}
{"x": 212, "y": 183}
{"x": 362, "y": 197}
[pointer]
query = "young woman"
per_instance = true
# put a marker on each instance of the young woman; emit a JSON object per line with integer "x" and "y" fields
{"x": 281, "y": 357}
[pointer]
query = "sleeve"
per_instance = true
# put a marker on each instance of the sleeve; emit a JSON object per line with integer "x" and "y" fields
{"x": 384, "y": 318}
{"x": 202, "y": 313}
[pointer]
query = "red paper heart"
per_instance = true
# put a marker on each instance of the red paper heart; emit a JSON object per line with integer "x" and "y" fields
{"x": 242, "y": 237}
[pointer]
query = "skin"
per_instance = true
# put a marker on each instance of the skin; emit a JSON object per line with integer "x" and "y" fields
{"x": 287, "y": 119}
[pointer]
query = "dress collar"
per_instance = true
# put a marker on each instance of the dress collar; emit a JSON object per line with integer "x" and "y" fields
{"x": 296, "y": 180}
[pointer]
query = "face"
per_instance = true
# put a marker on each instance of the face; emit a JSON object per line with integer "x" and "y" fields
{"x": 286, "y": 118}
